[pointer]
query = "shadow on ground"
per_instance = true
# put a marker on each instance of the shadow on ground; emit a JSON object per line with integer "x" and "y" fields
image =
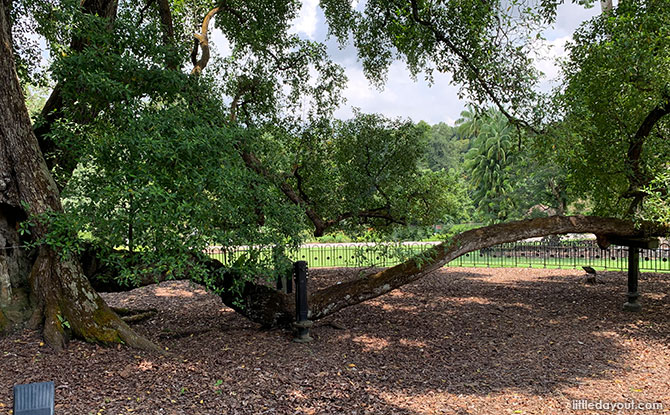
{"x": 458, "y": 341}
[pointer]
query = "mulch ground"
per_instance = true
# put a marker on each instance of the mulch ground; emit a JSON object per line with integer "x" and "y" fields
{"x": 460, "y": 341}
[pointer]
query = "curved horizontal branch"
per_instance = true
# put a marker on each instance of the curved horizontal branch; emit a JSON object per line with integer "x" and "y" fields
{"x": 337, "y": 297}
{"x": 271, "y": 308}
{"x": 254, "y": 300}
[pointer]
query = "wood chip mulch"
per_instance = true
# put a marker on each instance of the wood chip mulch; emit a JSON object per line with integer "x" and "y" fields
{"x": 460, "y": 341}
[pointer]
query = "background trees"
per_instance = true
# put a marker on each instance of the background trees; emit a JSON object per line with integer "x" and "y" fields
{"x": 489, "y": 163}
{"x": 613, "y": 108}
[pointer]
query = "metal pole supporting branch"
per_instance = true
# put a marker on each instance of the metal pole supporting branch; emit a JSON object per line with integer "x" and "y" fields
{"x": 302, "y": 324}
{"x": 633, "y": 275}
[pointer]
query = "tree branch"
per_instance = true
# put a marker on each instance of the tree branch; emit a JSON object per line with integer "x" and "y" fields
{"x": 329, "y": 300}
{"x": 272, "y": 308}
{"x": 378, "y": 213}
{"x": 254, "y": 164}
{"x": 143, "y": 11}
{"x": 638, "y": 178}
{"x": 167, "y": 27}
{"x": 202, "y": 41}
{"x": 441, "y": 37}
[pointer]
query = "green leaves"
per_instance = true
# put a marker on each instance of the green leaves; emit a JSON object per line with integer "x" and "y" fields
{"x": 165, "y": 180}
{"x": 487, "y": 162}
{"x": 485, "y": 46}
{"x": 616, "y": 82}
{"x": 366, "y": 172}
{"x": 657, "y": 208}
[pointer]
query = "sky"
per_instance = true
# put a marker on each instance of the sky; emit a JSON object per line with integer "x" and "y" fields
{"x": 416, "y": 99}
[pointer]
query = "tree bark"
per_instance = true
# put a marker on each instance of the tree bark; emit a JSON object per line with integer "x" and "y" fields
{"x": 561, "y": 203}
{"x": 605, "y": 6}
{"x": 40, "y": 288}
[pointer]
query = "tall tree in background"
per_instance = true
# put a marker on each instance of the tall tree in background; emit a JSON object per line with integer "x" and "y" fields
{"x": 510, "y": 173}
{"x": 614, "y": 106}
{"x": 446, "y": 147}
{"x": 489, "y": 162}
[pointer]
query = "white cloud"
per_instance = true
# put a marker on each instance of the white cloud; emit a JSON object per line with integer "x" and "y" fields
{"x": 307, "y": 19}
{"x": 219, "y": 43}
{"x": 547, "y": 61}
{"x": 402, "y": 97}
{"x": 440, "y": 102}
{"x": 569, "y": 16}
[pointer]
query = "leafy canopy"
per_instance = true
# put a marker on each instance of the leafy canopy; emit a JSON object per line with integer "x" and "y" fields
{"x": 165, "y": 163}
{"x": 612, "y": 126}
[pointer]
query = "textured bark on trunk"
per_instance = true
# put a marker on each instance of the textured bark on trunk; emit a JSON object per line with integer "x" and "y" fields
{"x": 39, "y": 287}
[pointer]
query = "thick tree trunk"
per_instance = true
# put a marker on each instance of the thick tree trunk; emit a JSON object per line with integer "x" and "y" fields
{"x": 561, "y": 203}
{"x": 39, "y": 287}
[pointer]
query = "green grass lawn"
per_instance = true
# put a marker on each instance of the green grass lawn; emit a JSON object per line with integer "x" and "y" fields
{"x": 321, "y": 256}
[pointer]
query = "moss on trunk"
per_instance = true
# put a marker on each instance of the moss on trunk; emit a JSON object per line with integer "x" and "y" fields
{"x": 67, "y": 305}
{"x": 61, "y": 299}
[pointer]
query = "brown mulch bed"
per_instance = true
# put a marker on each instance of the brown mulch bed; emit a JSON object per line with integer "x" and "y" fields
{"x": 460, "y": 341}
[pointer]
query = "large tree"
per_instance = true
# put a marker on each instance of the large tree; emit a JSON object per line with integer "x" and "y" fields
{"x": 152, "y": 157}
{"x": 169, "y": 166}
{"x": 39, "y": 285}
{"x": 485, "y": 45}
{"x": 612, "y": 113}
{"x": 489, "y": 164}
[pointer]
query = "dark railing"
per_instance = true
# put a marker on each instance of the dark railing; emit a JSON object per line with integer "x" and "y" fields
{"x": 566, "y": 255}
{"x": 522, "y": 254}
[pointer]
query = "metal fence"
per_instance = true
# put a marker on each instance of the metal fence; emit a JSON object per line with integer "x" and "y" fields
{"x": 522, "y": 254}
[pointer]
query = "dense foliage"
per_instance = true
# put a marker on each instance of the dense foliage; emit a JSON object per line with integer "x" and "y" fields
{"x": 612, "y": 125}
{"x": 164, "y": 162}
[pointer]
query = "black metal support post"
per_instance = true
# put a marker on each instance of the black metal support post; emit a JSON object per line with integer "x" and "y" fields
{"x": 289, "y": 281}
{"x": 633, "y": 274}
{"x": 302, "y": 324}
